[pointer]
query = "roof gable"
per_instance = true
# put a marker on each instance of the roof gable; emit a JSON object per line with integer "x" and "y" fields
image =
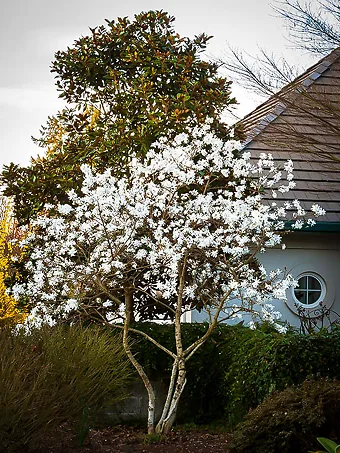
{"x": 288, "y": 96}
{"x": 302, "y": 123}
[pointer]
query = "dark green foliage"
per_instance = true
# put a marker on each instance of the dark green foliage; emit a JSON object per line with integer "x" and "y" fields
{"x": 204, "y": 396}
{"x": 232, "y": 372}
{"x": 56, "y": 375}
{"x": 262, "y": 361}
{"x": 238, "y": 368}
{"x": 289, "y": 421}
{"x": 130, "y": 82}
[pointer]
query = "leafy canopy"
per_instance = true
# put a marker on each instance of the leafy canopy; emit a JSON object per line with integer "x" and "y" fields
{"x": 126, "y": 85}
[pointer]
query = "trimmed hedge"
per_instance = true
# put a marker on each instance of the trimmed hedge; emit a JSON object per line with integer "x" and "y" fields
{"x": 238, "y": 367}
{"x": 204, "y": 396}
{"x": 262, "y": 361}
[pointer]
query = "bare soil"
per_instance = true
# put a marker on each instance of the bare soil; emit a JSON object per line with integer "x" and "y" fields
{"x": 123, "y": 439}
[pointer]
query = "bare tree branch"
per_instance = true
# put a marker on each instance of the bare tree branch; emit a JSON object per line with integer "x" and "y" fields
{"x": 263, "y": 74}
{"x": 313, "y": 26}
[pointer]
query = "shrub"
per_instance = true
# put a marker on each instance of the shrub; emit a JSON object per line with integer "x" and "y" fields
{"x": 289, "y": 421}
{"x": 10, "y": 314}
{"x": 55, "y": 375}
{"x": 263, "y": 360}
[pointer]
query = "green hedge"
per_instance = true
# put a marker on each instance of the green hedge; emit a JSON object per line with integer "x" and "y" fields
{"x": 204, "y": 396}
{"x": 262, "y": 361}
{"x": 238, "y": 367}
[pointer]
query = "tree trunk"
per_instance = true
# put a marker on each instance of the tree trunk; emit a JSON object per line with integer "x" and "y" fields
{"x": 180, "y": 384}
{"x": 175, "y": 391}
{"x": 168, "y": 417}
{"x": 128, "y": 295}
{"x": 142, "y": 374}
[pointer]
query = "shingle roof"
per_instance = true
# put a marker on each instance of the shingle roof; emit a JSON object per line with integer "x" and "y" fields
{"x": 302, "y": 123}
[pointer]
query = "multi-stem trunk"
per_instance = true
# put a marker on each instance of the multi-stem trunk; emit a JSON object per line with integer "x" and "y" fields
{"x": 178, "y": 375}
{"x": 164, "y": 425}
{"x": 176, "y": 386}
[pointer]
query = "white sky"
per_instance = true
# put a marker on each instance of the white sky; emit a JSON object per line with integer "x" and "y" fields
{"x": 32, "y": 30}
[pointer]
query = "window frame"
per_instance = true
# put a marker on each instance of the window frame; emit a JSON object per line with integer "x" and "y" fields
{"x": 323, "y": 292}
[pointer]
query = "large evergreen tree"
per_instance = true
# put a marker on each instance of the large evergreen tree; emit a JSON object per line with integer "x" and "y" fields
{"x": 126, "y": 85}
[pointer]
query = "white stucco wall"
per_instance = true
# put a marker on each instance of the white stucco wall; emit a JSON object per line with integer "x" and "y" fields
{"x": 316, "y": 253}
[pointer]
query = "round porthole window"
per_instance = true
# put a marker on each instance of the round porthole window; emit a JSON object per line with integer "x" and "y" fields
{"x": 311, "y": 290}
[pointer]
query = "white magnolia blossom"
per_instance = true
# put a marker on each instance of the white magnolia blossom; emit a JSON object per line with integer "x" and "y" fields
{"x": 194, "y": 204}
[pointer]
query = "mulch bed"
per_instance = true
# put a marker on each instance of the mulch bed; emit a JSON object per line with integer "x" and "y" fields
{"x": 123, "y": 439}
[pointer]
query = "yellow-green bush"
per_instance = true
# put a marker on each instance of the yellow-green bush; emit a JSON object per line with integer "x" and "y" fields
{"x": 9, "y": 312}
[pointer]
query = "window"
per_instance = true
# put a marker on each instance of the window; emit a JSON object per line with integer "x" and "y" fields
{"x": 311, "y": 290}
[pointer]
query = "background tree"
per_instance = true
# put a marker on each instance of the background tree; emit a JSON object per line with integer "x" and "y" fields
{"x": 126, "y": 84}
{"x": 313, "y": 27}
{"x": 184, "y": 235}
{"x": 9, "y": 311}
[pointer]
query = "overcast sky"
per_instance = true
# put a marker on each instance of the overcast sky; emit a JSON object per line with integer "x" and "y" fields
{"x": 32, "y": 30}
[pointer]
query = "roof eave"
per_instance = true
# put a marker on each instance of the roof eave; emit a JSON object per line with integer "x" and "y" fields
{"x": 319, "y": 227}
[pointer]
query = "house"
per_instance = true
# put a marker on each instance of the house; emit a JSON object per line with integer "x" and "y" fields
{"x": 302, "y": 123}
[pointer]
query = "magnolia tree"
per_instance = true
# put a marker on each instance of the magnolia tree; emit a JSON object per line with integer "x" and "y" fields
{"x": 181, "y": 233}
